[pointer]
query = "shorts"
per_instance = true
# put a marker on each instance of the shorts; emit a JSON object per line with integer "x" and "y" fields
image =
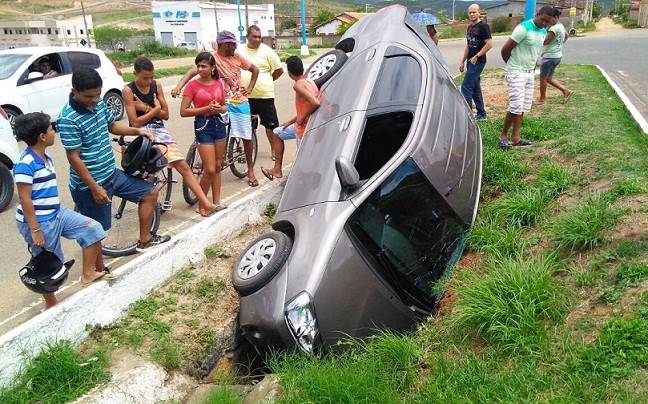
{"x": 520, "y": 90}
{"x": 125, "y": 186}
{"x": 68, "y": 224}
{"x": 172, "y": 152}
{"x": 240, "y": 120}
{"x": 265, "y": 108}
{"x": 209, "y": 129}
{"x": 287, "y": 133}
{"x": 548, "y": 66}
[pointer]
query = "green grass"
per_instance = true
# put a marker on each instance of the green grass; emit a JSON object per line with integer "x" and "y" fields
{"x": 548, "y": 248}
{"x": 58, "y": 374}
{"x": 549, "y": 304}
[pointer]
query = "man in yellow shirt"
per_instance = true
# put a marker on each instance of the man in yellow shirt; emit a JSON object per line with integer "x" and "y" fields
{"x": 270, "y": 69}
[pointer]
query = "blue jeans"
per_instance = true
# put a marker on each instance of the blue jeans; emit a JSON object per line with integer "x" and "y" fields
{"x": 68, "y": 224}
{"x": 471, "y": 86}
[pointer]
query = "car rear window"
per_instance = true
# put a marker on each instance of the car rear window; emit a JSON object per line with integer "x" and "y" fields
{"x": 84, "y": 59}
{"x": 409, "y": 234}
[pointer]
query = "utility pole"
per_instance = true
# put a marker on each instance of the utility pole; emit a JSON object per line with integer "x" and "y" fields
{"x": 85, "y": 23}
{"x": 216, "y": 18}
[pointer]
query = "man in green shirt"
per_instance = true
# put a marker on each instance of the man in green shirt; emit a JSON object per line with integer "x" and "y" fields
{"x": 520, "y": 53}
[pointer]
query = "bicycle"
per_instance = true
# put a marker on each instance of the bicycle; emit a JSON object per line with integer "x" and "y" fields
{"x": 234, "y": 158}
{"x": 119, "y": 239}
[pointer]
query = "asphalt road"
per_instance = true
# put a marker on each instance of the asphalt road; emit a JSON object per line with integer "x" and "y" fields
{"x": 619, "y": 52}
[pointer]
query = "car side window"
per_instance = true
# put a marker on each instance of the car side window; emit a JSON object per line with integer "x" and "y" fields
{"x": 383, "y": 135}
{"x": 84, "y": 59}
{"x": 399, "y": 81}
{"x": 409, "y": 234}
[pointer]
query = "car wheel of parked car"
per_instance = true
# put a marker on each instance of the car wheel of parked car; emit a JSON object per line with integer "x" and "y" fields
{"x": 115, "y": 104}
{"x": 260, "y": 262}
{"x": 326, "y": 66}
{"x": 12, "y": 114}
{"x": 6, "y": 187}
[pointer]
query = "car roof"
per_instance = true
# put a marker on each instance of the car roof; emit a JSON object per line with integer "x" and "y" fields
{"x": 48, "y": 49}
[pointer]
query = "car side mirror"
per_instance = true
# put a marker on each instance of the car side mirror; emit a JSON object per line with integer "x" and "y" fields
{"x": 346, "y": 172}
{"x": 33, "y": 76}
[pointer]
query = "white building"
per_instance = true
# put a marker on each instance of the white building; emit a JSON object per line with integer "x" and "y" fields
{"x": 70, "y": 32}
{"x": 199, "y": 22}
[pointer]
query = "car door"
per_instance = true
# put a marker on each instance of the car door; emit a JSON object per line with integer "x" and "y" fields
{"x": 47, "y": 95}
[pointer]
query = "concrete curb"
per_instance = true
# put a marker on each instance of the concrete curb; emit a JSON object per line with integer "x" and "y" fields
{"x": 104, "y": 303}
{"x": 629, "y": 105}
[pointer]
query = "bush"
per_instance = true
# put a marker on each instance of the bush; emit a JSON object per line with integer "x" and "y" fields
{"x": 500, "y": 24}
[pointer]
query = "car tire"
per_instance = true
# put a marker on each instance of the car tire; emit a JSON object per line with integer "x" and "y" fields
{"x": 326, "y": 66}
{"x": 6, "y": 187}
{"x": 260, "y": 262}
{"x": 115, "y": 104}
{"x": 12, "y": 114}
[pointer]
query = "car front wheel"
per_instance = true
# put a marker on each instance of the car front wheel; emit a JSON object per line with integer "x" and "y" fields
{"x": 115, "y": 104}
{"x": 6, "y": 187}
{"x": 260, "y": 262}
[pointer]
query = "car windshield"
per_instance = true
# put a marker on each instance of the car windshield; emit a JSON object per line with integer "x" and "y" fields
{"x": 409, "y": 234}
{"x": 9, "y": 63}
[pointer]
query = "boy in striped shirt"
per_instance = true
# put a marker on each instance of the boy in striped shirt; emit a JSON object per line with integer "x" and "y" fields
{"x": 40, "y": 218}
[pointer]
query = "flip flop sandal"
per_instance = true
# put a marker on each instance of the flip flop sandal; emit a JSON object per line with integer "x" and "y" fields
{"x": 253, "y": 183}
{"x": 504, "y": 144}
{"x": 522, "y": 142}
{"x": 267, "y": 173}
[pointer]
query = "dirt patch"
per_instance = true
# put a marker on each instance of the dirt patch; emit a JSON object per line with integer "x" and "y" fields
{"x": 190, "y": 322}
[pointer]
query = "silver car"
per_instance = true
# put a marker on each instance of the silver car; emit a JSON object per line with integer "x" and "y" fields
{"x": 378, "y": 204}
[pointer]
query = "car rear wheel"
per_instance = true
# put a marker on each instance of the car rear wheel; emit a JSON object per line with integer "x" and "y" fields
{"x": 115, "y": 104}
{"x": 6, "y": 186}
{"x": 260, "y": 262}
{"x": 326, "y": 66}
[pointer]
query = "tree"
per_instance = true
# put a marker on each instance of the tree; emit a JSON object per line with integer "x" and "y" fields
{"x": 322, "y": 16}
{"x": 287, "y": 24}
{"x": 112, "y": 35}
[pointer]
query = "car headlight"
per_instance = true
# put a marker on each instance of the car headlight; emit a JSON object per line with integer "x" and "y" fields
{"x": 301, "y": 321}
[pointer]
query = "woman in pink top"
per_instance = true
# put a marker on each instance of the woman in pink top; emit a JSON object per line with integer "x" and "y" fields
{"x": 204, "y": 99}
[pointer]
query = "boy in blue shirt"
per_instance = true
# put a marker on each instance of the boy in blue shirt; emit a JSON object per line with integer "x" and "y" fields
{"x": 40, "y": 218}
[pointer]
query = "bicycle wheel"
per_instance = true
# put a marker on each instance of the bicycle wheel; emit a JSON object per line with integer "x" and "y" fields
{"x": 236, "y": 154}
{"x": 163, "y": 180}
{"x": 195, "y": 162}
{"x": 121, "y": 239}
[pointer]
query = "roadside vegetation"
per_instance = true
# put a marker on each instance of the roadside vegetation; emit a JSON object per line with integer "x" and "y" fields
{"x": 548, "y": 304}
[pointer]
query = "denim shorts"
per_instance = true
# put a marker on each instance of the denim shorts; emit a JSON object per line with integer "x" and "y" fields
{"x": 548, "y": 66}
{"x": 68, "y": 224}
{"x": 125, "y": 186}
{"x": 209, "y": 129}
{"x": 287, "y": 133}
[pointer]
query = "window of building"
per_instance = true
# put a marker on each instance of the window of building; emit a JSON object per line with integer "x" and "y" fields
{"x": 81, "y": 31}
{"x": 49, "y": 31}
{"x": 69, "y": 32}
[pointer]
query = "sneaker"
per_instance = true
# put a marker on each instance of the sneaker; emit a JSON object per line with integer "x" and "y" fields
{"x": 153, "y": 241}
{"x": 481, "y": 117}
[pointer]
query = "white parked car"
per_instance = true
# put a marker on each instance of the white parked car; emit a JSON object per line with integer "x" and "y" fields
{"x": 187, "y": 45}
{"x": 23, "y": 88}
{"x": 9, "y": 153}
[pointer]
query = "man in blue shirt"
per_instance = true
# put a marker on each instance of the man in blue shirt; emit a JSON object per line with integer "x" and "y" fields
{"x": 84, "y": 124}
